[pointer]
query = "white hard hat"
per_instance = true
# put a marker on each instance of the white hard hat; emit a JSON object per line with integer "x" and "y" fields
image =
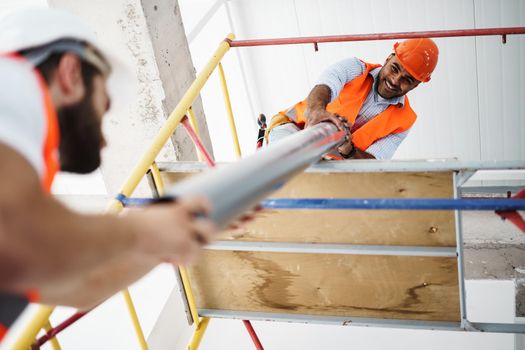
{"x": 26, "y": 29}
{"x": 56, "y": 29}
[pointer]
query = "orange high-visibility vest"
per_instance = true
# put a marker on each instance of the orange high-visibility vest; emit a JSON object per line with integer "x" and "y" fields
{"x": 52, "y": 139}
{"x": 394, "y": 119}
{"x": 51, "y": 167}
{"x": 50, "y": 154}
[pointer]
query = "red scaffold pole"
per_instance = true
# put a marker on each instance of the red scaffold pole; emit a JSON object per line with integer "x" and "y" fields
{"x": 197, "y": 142}
{"x": 514, "y": 216}
{"x": 53, "y": 332}
{"x": 253, "y": 335}
{"x": 211, "y": 163}
{"x": 379, "y": 36}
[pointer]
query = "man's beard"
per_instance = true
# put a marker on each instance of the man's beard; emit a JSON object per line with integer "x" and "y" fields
{"x": 81, "y": 137}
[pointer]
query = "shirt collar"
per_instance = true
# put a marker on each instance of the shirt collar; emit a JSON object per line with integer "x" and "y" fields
{"x": 377, "y": 98}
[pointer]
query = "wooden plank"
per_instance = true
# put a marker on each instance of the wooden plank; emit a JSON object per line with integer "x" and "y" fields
{"x": 368, "y": 185}
{"x": 356, "y": 185}
{"x": 392, "y": 287}
{"x": 388, "y": 227}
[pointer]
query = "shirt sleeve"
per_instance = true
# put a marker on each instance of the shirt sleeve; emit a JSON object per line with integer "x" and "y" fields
{"x": 22, "y": 115}
{"x": 339, "y": 74}
{"x": 386, "y": 147}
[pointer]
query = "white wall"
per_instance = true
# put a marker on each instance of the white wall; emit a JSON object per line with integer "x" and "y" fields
{"x": 202, "y": 48}
{"x": 473, "y": 108}
{"x": 501, "y": 82}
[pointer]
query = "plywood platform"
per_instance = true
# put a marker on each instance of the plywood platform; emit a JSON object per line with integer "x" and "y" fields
{"x": 421, "y": 288}
{"x": 387, "y": 227}
{"x": 418, "y": 288}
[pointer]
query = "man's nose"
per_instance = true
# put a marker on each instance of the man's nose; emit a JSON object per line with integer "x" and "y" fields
{"x": 395, "y": 79}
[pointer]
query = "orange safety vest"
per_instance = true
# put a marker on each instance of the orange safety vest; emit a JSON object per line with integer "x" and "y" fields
{"x": 51, "y": 167}
{"x": 52, "y": 138}
{"x": 394, "y": 119}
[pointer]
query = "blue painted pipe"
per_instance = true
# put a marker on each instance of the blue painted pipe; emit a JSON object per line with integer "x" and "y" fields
{"x": 370, "y": 203}
{"x": 396, "y": 204}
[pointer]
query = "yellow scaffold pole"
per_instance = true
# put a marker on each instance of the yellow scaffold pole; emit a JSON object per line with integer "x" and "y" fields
{"x": 38, "y": 322}
{"x": 172, "y": 122}
{"x": 54, "y": 341}
{"x": 200, "y": 324}
{"x": 135, "y": 319}
{"x": 199, "y": 333}
{"x": 231, "y": 120}
{"x": 157, "y": 179}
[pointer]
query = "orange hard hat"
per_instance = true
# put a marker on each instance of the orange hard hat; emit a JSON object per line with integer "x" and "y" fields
{"x": 418, "y": 56}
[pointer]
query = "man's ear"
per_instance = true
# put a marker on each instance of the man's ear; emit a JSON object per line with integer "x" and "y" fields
{"x": 389, "y": 58}
{"x": 68, "y": 77}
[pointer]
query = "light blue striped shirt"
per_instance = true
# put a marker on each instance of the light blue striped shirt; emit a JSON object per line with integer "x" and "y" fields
{"x": 339, "y": 74}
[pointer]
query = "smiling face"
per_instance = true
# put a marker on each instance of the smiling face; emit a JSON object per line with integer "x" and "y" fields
{"x": 394, "y": 80}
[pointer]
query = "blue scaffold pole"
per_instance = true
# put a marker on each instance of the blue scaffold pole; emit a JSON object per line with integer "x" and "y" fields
{"x": 396, "y": 204}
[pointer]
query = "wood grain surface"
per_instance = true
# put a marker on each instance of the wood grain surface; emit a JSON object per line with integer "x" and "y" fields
{"x": 392, "y": 287}
{"x": 387, "y": 227}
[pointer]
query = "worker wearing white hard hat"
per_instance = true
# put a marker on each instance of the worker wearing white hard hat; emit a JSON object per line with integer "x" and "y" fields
{"x": 52, "y": 100}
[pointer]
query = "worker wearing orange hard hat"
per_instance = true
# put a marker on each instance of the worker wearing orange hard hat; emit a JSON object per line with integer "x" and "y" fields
{"x": 368, "y": 100}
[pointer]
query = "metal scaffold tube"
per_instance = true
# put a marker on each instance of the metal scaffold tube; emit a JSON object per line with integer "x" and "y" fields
{"x": 395, "y": 204}
{"x": 237, "y": 187}
{"x": 380, "y": 36}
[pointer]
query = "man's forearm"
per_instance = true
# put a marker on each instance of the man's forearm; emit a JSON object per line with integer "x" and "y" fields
{"x": 92, "y": 287}
{"x": 319, "y": 97}
{"x": 316, "y": 111}
{"x": 362, "y": 155}
{"x": 66, "y": 243}
{"x": 47, "y": 247}
{"x": 40, "y": 238}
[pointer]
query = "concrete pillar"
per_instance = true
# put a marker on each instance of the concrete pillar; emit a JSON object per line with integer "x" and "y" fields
{"x": 121, "y": 25}
{"x": 176, "y": 71}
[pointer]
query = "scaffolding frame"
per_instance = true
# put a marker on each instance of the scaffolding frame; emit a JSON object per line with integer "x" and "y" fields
{"x": 461, "y": 172}
{"x": 147, "y": 167}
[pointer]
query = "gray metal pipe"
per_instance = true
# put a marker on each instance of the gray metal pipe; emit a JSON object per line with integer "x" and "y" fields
{"x": 234, "y": 188}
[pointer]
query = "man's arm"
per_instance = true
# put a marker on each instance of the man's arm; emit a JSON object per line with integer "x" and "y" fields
{"x": 363, "y": 155}
{"x": 383, "y": 148}
{"x": 328, "y": 87}
{"x": 316, "y": 112}
{"x": 85, "y": 291}
{"x": 348, "y": 150}
{"x": 43, "y": 244}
